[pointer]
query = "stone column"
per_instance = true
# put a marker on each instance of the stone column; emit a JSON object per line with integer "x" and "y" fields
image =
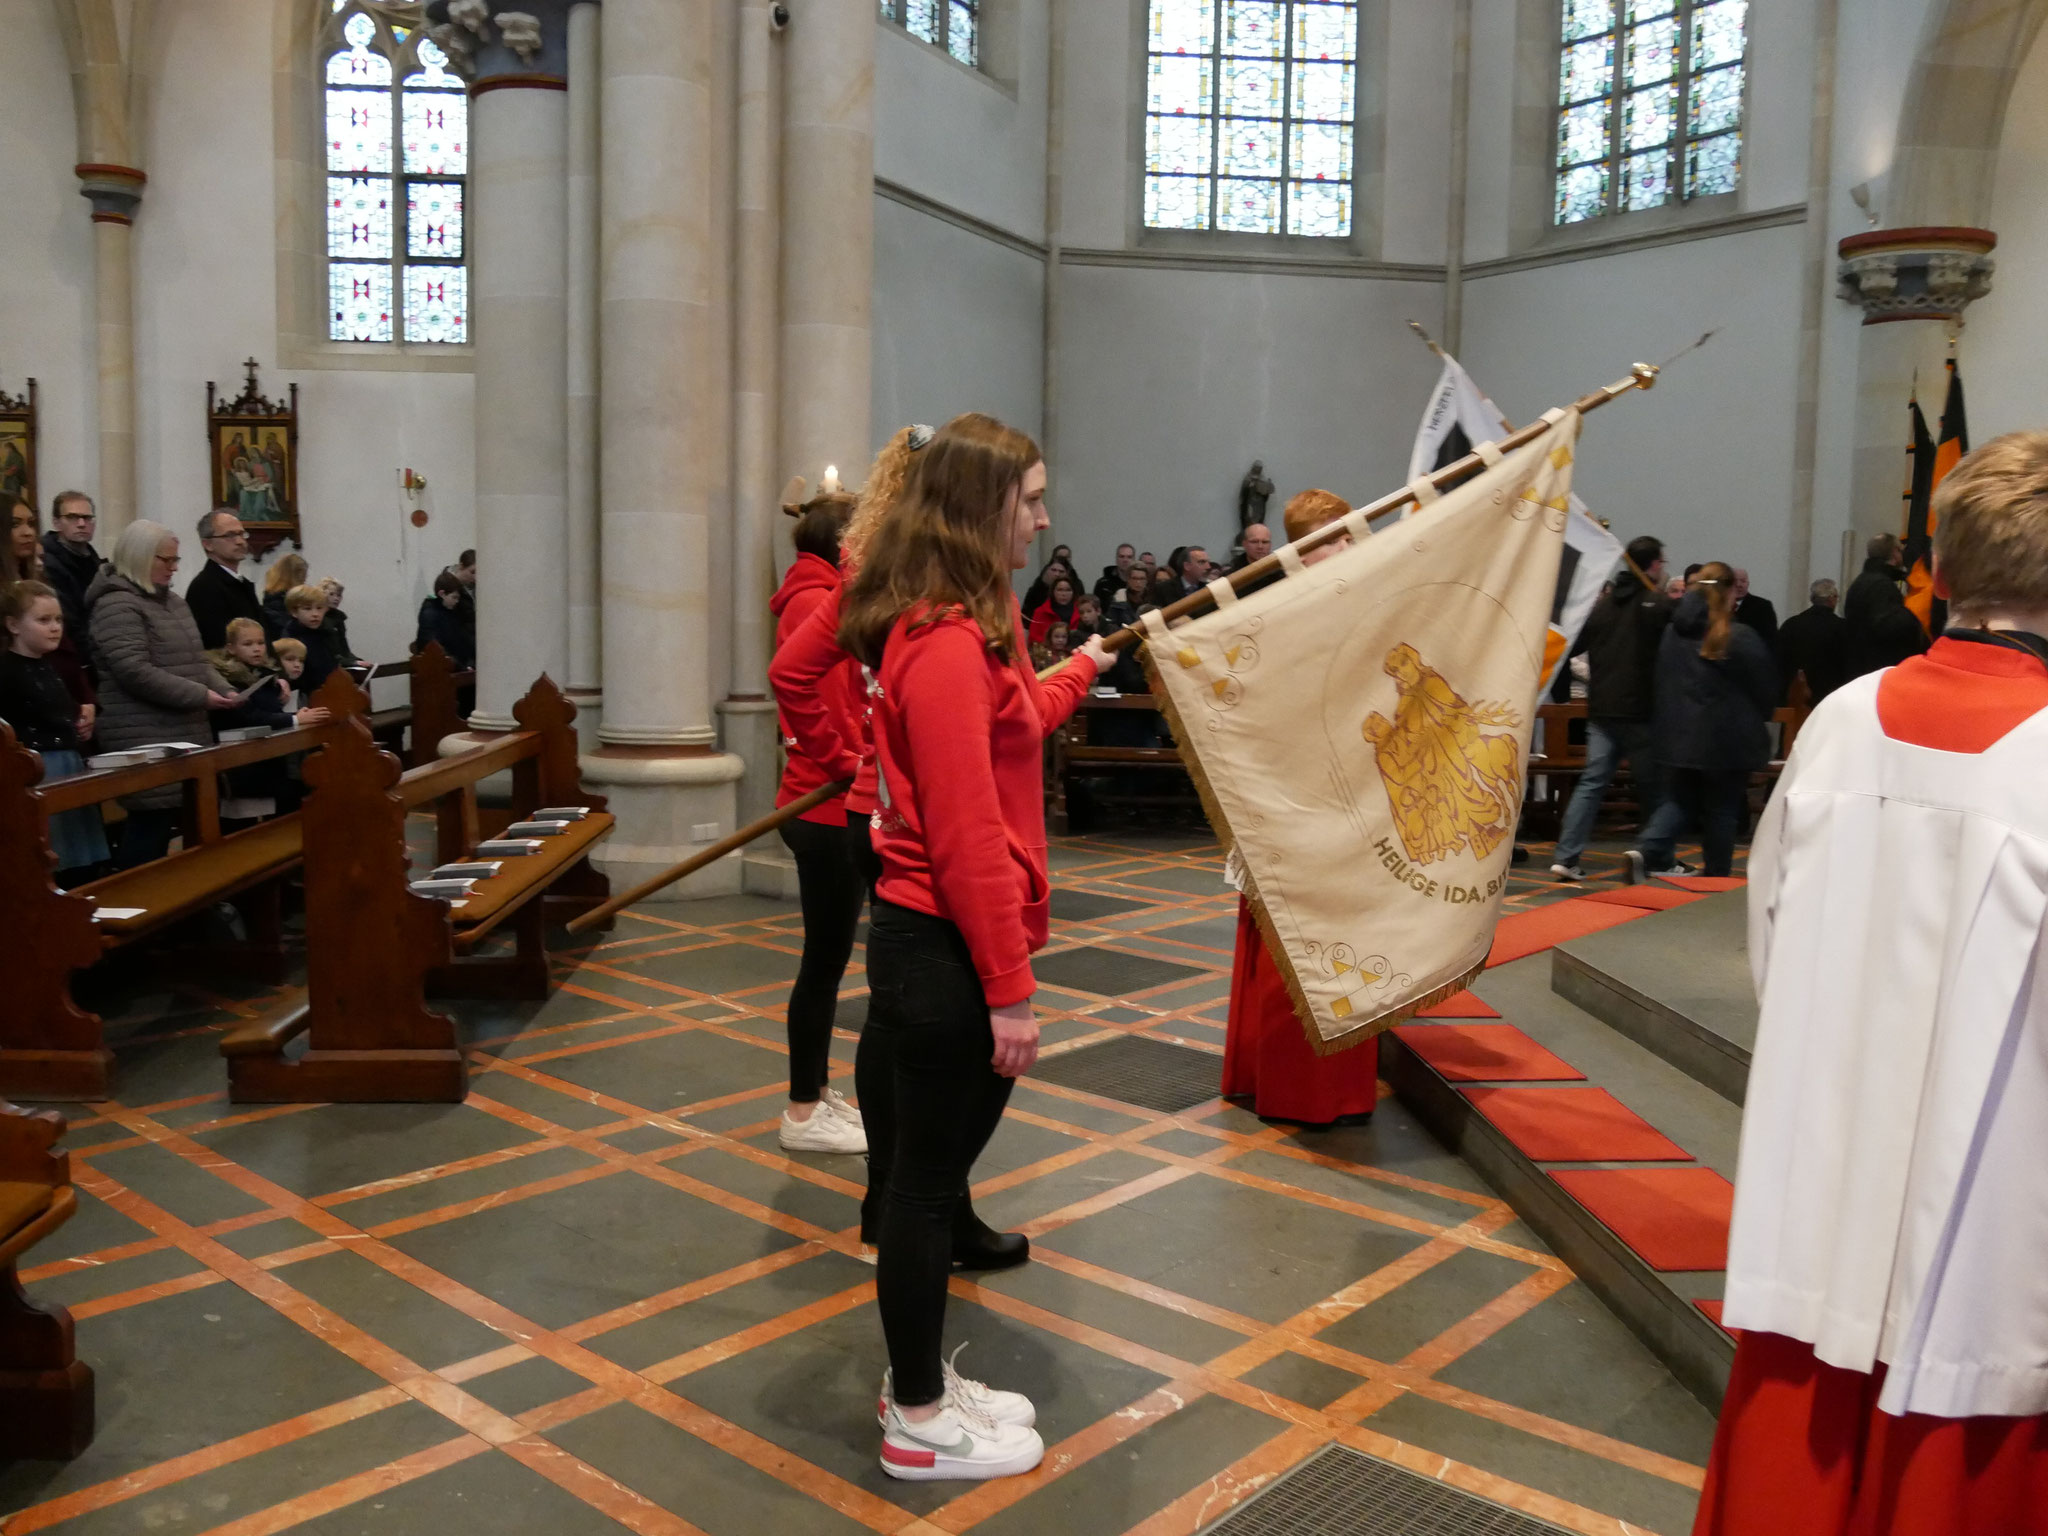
{"x": 114, "y": 191}
{"x": 670, "y": 785}
{"x": 828, "y": 247}
{"x": 749, "y": 714}
{"x": 1913, "y": 286}
{"x": 519, "y": 290}
{"x": 585, "y": 674}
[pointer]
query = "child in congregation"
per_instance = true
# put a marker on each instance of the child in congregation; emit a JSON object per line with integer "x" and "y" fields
{"x": 291, "y": 661}
{"x": 306, "y": 607}
{"x": 47, "y": 719}
{"x": 257, "y": 790}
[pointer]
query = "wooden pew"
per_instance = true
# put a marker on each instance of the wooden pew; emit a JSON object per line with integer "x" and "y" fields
{"x": 1555, "y": 760}
{"x": 375, "y": 951}
{"x": 50, "y": 1048}
{"x": 1070, "y": 755}
{"x": 431, "y": 715}
{"x": 46, "y": 1391}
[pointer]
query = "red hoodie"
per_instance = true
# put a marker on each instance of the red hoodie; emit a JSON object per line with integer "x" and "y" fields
{"x": 832, "y": 694}
{"x": 959, "y": 737}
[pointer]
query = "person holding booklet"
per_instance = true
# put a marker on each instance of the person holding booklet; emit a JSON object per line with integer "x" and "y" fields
{"x": 1885, "y": 1264}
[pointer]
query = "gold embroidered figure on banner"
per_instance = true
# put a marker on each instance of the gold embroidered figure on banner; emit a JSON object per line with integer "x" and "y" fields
{"x": 1449, "y": 783}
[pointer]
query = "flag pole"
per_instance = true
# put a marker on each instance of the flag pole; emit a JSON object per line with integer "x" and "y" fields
{"x": 1641, "y": 376}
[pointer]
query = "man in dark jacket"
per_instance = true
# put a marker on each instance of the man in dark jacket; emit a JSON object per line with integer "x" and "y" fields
{"x": 1110, "y": 585}
{"x": 1759, "y": 613}
{"x": 70, "y": 563}
{"x": 220, "y": 593}
{"x": 1814, "y": 643}
{"x": 1881, "y": 630}
{"x": 1620, "y": 641}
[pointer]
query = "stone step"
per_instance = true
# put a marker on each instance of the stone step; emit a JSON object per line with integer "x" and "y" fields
{"x": 1657, "y": 1305}
{"x": 767, "y": 869}
{"x": 1677, "y": 983}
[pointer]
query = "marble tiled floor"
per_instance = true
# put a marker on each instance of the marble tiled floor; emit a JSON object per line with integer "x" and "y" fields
{"x": 597, "y": 1295}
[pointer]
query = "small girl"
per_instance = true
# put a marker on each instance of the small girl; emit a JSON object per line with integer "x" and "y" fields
{"x": 46, "y": 719}
{"x": 291, "y": 656}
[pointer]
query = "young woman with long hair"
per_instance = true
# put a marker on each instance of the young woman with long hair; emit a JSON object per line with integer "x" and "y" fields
{"x": 959, "y": 725}
{"x": 1716, "y": 691}
{"x": 830, "y": 884}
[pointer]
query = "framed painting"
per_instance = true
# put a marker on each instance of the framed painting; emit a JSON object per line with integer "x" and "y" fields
{"x": 253, "y": 445}
{"x": 18, "y": 448}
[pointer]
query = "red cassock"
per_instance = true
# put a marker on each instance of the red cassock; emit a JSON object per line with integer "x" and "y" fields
{"x": 1266, "y": 1054}
{"x": 1802, "y": 1448}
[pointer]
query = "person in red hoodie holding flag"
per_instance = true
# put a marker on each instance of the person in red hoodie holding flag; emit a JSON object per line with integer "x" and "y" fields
{"x": 830, "y": 883}
{"x": 959, "y": 726}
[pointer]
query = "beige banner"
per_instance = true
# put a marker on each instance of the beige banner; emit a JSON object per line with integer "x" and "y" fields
{"x": 1360, "y": 730}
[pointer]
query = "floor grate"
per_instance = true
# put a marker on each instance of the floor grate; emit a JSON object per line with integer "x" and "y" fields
{"x": 1153, "y": 1074}
{"x": 1339, "y": 1492}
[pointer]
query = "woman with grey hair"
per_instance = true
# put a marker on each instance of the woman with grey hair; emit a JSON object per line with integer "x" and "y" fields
{"x": 155, "y": 682}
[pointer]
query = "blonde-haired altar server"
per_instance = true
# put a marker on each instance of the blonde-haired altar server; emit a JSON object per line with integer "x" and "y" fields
{"x": 1266, "y": 1054}
{"x": 1888, "y": 1264}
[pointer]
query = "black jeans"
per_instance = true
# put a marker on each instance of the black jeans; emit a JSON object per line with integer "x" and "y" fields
{"x": 829, "y": 888}
{"x": 1713, "y": 799}
{"x": 931, "y": 1097}
{"x": 861, "y": 836}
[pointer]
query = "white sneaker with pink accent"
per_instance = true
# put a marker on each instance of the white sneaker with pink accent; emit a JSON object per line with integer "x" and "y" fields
{"x": 958, "y": 1443}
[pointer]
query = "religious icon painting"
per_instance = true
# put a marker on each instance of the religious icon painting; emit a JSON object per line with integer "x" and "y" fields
{"x": 18, "y": 447}
{"x": 255, "y": 457}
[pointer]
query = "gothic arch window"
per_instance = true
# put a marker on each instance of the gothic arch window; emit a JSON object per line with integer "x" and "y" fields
{"x": 1649, "y": 104}
{"x": 397, "y": 153}
{"x": 1250, "y": 115}
{"x": 954, "y": 25}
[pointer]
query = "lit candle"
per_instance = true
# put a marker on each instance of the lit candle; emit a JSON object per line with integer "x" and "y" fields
{"x": 831, "y": 484}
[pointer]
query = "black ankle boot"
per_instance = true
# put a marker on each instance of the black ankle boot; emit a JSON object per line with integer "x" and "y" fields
{"x": 977, "y": 1245}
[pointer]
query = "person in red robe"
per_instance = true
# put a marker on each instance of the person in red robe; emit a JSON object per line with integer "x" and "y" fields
{"x": 1802, "y": 1445}
{"x": 1266, "y": 1054}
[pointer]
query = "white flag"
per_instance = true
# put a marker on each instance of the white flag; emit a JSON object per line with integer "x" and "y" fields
{"x": 1458, "y": 419}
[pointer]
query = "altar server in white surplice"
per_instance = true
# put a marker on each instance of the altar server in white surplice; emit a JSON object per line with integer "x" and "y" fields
{"x": 1888, "y": 1263}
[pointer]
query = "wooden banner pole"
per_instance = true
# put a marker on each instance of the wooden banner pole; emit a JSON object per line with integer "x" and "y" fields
{"x": 1641, "y": 376}
{"x": 711, "y": 855}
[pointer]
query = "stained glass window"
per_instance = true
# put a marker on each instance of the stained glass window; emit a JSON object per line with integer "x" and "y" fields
{"x": 1249, "y": 115}
{"x": 397, "y": 156}
{"x": 954, "y": 25}
{"x": 1649, "y": 103}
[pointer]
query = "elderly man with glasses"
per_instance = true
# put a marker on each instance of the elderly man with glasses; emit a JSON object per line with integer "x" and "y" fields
{"x": 220, "y": 594}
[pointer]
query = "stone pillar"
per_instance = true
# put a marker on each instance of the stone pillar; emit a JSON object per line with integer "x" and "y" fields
{"x": 114, "y": 191}
{"x": 585, "y": 673}
{"x": 519, "y": 289}
{"x": 828, "y": 246}
{"x": 749, "y": 713}
{"x": 669, "y": 784}
{"x": 1913, "y": 286}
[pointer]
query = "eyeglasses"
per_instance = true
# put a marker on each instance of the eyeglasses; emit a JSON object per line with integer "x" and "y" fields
{"x": 171, "y": 560}
{"x": 223, "y": 538}
{"x": 76, "y": 517}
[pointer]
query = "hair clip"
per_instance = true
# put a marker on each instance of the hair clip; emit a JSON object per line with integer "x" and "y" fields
{"x": 920, "y": 435}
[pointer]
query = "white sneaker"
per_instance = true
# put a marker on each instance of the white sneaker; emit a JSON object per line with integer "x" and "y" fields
{"x": 1570, "y": 874}
{"x": 844, "y": 1105}
{"x": 825, "y": 1131}
{"x": 1004, "y": 1407}
{"x": 1636, "y": 873}
{"x": 957, "y": 1442}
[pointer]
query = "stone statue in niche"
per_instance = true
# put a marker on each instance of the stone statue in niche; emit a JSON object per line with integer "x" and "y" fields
{"x": 1252, "y": 495}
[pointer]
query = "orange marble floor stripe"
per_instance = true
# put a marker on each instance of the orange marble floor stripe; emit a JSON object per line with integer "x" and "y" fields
{"x": 352, "y": 1490}
{"x": 1078, "y": 1449}
{"x": 1145, "y": 1290}
{"x": 1108, "y": 1200}
{"x": 456, "y": 1210}
{"x": 1221, "y": 1492}
{"x": 683, "y": 1295}
{"x": 613, "y": 1499}
{"x": 1157, "y": 1361}
{"x": 1470, "y": 1332}
{"x": 162, "y": 1474}
{"x": 485, "y": 1042}
{"x": 482, "y": 1365}
{"x": 428, "y": 1175}
{"x": 661, "y": 1027}
{"x": 564, "y": 1409}
{"x": 244, "y": 1117}
{"x": 706, "y": 1355}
